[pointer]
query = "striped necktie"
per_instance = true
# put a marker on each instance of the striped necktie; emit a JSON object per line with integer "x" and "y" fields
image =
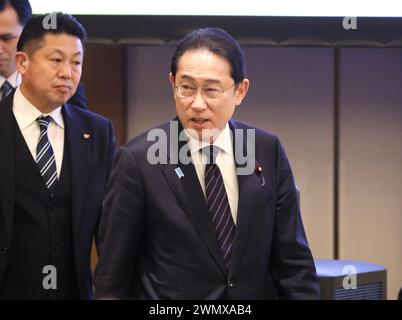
{"x": 45, "y": 158}
{"x": 5, "y": 89}
{"x": 218, "y": 204}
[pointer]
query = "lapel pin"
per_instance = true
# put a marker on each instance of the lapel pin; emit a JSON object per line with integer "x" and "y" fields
{"x": 258, "y": 171}
{"x": 87, "y": 135}
{"x": 179, "y": 173}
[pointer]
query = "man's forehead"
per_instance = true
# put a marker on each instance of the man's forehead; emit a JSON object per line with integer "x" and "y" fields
{"x": 9, "y": 19}
{"x": 52, "y": 45}
{"x": 61, "y": 42}
{"x": 60, "y": 37}
{"x": 7, "y": 29}
{"x": 63, "y": 51}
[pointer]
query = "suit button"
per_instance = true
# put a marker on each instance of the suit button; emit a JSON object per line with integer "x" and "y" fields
{"x": 230, "y": 283}
{"x": 56, "y": 247}
{"x": 55, "y": 228}
{"x": 51, "y": 207}
{"x": 4, "y": 251}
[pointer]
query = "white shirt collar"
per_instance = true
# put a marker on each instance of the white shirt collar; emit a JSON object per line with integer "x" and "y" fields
{"x": 14, "y": 79}
{"x": 26, "y": 113}
{"x": 224, "y": 142}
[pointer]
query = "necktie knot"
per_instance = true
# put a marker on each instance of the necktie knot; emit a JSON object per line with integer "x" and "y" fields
{"x": 6, "y": 89}
{"x": 44, "y": 122}
{"x": 45, "y": 158}
{"x": 211, "y": 152}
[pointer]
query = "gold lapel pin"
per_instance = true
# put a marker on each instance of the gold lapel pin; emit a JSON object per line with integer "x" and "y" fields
{"x": 87, "y": 135}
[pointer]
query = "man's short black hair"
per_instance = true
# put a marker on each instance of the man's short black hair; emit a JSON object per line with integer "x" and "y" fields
{"x": 217, "y": 41}
{"x": 40, "y": 25}
{"x": 21, "y": 7}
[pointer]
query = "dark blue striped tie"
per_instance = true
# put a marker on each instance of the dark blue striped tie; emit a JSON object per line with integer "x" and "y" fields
{"x": 5, "y": 89}
{"x": 45, "y": 158}
{"x": 218, "y": 204}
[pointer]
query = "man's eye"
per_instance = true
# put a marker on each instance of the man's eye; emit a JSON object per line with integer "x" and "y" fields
{"x": 211, "y": 90}
{"x": 56, "y": 60}
{"x": 7, "y": 38}
{"x": 187, "y": 87}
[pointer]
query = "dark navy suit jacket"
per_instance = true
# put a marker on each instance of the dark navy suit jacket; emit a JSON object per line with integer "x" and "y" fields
{"x": 156, "y": 241}
{"x": 79, "y": 99}
{"x": 91, "y": 158}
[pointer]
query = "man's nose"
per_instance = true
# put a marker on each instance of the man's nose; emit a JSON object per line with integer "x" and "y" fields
{"x": 199, "y": 102}
{"x": 65, "y": 70}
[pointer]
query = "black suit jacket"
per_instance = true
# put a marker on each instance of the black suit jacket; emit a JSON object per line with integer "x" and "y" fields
{"x": 156, "y": 241}
{"x": 79, "y": 99}
{"x": 90, "y": 161}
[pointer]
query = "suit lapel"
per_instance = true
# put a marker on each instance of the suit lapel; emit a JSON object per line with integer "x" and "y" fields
{"x": 7, "y": 160}
{"x": 251, "y": 201}
{"x": 191, "y": 198}
{"x": 78, "y": 148}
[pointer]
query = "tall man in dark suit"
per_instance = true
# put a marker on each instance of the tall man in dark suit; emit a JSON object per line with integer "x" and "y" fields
{"x": 13, "y": 16}
{"x": 208, "y": 212}
{"x": 56, "y": 160}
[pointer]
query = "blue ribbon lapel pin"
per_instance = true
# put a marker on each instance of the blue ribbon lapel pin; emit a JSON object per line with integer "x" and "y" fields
{"x": 179, "y": 173}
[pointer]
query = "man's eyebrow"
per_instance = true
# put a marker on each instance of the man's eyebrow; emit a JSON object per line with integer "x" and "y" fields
{"x": 8, "y": 35}
{"x": 209, "y": 80}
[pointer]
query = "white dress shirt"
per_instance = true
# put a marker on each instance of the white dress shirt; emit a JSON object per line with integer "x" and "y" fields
{"x": 26, "y": 114}
{"x": 224, "y": 160}
{"x": 14, "y": 80}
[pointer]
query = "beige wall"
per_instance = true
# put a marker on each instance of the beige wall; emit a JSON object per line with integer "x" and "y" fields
{"x": 149, "y": 97}
{"x": 371, "y": 159}
{"x": 292, "y": 95}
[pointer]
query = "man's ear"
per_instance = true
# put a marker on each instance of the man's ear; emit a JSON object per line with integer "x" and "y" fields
{"x": 21, "y": 62}
{"x": 171, "y": 79}
{"x": 241, "y": 91}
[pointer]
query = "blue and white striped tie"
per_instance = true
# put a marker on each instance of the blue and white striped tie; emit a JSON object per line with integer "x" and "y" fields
{"x": 45, "y": 158}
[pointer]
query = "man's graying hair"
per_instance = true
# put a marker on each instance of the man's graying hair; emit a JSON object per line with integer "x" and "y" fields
{"x": 217, "y": 41}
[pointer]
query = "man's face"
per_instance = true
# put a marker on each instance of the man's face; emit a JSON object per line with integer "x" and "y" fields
{"x": 51, "y": 73}
{"x": 206, "y": 71}
{"x": 10, "y": 30}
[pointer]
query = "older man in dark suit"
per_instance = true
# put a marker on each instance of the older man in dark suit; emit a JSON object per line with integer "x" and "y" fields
{"x": 204, "y": 207}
